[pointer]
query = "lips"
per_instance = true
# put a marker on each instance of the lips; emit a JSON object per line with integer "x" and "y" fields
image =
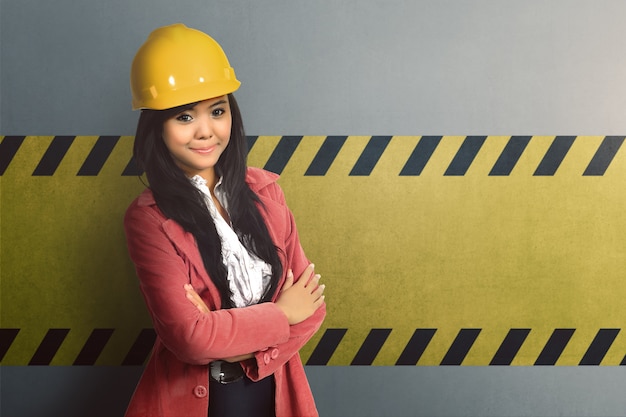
{"x": 204, "y": 151}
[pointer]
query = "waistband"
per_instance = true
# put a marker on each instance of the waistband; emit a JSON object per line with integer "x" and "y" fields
{"x": 225, "y": 372}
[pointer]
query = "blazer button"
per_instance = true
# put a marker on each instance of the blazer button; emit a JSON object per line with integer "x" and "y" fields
{"x": 266, "y": 358}
{"x": 200, "y": 391}
{"x": 274, "y": 353}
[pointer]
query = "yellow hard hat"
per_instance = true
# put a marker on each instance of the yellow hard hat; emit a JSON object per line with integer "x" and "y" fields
{"x": 178, "y": 65}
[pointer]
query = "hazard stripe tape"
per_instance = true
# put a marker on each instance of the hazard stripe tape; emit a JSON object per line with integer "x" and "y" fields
{"x": 370, "y": 156}
{"x": 329, "y": 342}
{"x": 7, "y": 336}
{"x": 510, "y": 346}
{"x": 555, "y": 346}
{"x": 416, "y": 347}
{"x": 465, "y": 156}
{"x": 282, "y": 153}
{"x": 600, "y": 346}
{"x": 460, "y": 347}
{"x": 326, "y": 347}
{"x": 371, "y": 346}
{"x": 555, "y": 155}
{"x": 140, "y": 350}
{"x": 98, "y": 155}
{"x": 49, "y": 346}
{"x": 330, "y": 148}
{"x": 53, "y": 156}
{"x": 8, "y": 149}
{"x": 93, "y": 347}
{"x": 327, "y": 153}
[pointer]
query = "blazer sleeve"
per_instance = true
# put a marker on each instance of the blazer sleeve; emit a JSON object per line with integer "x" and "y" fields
{"x": 194, "y": 337}
{"x": 272, "y": 357}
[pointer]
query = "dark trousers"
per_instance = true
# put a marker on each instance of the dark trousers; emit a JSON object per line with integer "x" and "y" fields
{"x": 242, "y": 398}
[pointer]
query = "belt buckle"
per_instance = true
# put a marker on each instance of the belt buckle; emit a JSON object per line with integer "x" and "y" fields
{"x": 225, "y": 372}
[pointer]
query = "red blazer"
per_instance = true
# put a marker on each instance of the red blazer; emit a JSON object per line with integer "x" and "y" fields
{"x": 175, "y": 380}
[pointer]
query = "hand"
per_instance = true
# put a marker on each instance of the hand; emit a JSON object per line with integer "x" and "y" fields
{"x": 300, "y": 300}
{"x": 193, "y": 296}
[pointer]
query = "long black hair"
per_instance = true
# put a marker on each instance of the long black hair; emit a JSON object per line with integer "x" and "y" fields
{"x": 182, "y": 202}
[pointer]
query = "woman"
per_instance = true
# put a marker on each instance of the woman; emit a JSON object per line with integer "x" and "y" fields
{"x": 214, "y": 245}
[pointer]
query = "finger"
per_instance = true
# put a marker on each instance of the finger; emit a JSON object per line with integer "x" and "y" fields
{"x": 190, "y": 290}
{"x": 194, "y": 298}
{"x": 319, "y": 302}
{"x": 307, "y": 276}
{"x": 289, "y": 281}
{"x": 318, "y": 293}
{"x": 313, "y": 283}
{"x": 194, "y": 301}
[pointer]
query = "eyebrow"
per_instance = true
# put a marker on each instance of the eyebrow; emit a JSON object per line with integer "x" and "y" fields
{"x": 219, "y": 103}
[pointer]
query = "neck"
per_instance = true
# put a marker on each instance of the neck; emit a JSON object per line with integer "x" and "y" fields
{"x": 210, "y": 177}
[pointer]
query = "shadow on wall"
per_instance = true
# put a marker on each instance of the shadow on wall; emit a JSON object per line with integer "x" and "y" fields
{"x": 96, "y": 391}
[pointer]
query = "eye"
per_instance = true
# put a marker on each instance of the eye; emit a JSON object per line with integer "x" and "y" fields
{"x": 217, "y": 112}
{"x": 184, "y": 117}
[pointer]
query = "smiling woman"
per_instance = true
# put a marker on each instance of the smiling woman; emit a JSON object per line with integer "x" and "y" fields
{"x": 230, "y": 290}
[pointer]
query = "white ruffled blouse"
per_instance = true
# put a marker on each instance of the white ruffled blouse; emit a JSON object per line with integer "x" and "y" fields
{"x": 248, "y": 276}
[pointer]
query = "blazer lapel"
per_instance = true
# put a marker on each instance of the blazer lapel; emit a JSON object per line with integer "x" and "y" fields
{"x": 185, "y": 243}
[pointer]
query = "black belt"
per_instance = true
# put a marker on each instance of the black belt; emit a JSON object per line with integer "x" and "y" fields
{"x": 225, "y": 372}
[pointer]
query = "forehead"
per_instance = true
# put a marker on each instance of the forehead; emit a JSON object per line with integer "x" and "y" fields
{"x": 210, "y": 102}
{"x": 197, "y": 105}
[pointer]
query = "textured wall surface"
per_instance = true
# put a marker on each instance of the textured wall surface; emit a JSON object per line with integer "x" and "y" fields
{"x": 455, "y": 169}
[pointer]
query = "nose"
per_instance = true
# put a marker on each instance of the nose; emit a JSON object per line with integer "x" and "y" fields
{"x": 205, "y": 128}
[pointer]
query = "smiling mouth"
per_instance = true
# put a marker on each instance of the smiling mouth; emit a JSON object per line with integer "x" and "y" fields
{"x": 203, "y": 150}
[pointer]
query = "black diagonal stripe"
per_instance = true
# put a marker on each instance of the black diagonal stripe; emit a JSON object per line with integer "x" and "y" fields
{"x": 93, "y": 347}
{"x": 420, "y": 156}
{"x": 460, "y": 347}
{"x": 510, "y": 155}
{"x": 326, "y": 155}
{"x": 98, "y": 155}
{"x": 7, "y": 336}
{"x": 623, "y": 362}
{"x": 416, "y": 347}
{"x": 282, "y": 153}
{"x": 132, "y": 169}
{"x": 370, "y": 156}
{"x": 555, "y": 155}
{"x": 555, "y": 346}
{"x": 510, "y": 346}
{"x": 49, "y": 346}
{"x": 141, "y": 349}
{"x": 326, "y": 346}
{"x": 604, "y": 155}
{"x": 371, "y": 346}
{"x": 599, "y": 347}
{"x": 251, "y": 140}
{"x": 8, "y": 149}
{"x": 465, "y": 156}
{"x": 53, "y": 156}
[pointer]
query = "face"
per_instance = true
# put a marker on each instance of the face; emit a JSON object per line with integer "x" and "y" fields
{"x": 197, "y": 136}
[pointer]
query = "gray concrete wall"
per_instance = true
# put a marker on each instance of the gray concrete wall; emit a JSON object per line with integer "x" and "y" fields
{"x": 396, "y": 67}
